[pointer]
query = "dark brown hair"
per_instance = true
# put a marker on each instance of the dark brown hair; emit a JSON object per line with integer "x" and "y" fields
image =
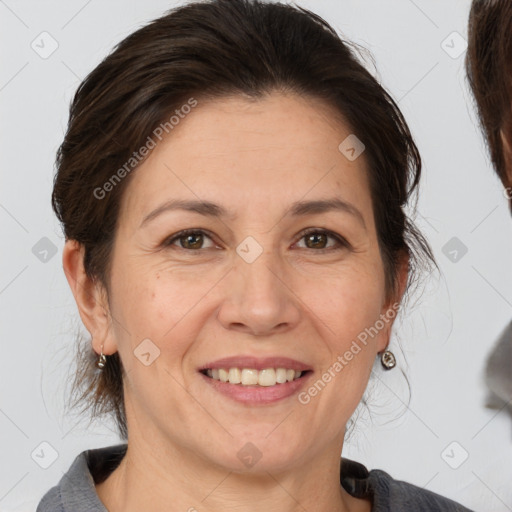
{"x": 207, "y": 50}
{"x": 489, "y": 72}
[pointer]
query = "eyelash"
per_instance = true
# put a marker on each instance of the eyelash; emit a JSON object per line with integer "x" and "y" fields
{"x": 343, "y": 244}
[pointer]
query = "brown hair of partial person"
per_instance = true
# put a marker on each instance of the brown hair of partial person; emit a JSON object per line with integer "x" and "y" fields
{"x": 207, "y": 50}
{"x": 489, "y": 72}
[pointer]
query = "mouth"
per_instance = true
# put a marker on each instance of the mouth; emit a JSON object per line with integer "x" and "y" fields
{"x": 256, "y": 381}
{"x": 266, "y": 377}
{"x": 250, "y": 392}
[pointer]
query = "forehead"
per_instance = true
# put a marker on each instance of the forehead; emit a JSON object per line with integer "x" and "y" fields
{"x": 251, "y": 154}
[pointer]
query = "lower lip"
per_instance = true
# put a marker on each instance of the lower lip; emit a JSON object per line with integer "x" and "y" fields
{"x": 258, "y": 395}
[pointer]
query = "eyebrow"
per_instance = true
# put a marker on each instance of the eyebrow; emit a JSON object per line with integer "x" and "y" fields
{"x": 299, "y": 208}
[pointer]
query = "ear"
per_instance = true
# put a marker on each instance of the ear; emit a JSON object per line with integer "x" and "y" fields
{"x": 391, "y": 306}
{"x": 90, "y": 297}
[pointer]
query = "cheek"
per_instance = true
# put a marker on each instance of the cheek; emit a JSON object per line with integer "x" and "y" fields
{"x": 349, "y": 307}
{"x": 349, "y": 302}
{"x": 144, "y": 300}
{"x": 162, "y": 307}
{"x": 153, "y": 311}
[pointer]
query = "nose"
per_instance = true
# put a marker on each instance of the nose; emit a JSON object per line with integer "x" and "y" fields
{"x": 259, "y": 298}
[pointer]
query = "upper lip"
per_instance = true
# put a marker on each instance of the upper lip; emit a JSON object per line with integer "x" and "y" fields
{"x": 257, "y": 363}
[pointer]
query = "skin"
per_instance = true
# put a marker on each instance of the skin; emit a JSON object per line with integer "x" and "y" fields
{"x": 294, "y": 300}
{"x": 507, "y": 154}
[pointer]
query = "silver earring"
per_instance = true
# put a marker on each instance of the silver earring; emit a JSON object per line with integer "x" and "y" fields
{"x": 387, "y": 358}
{"x": 100, "y": 363}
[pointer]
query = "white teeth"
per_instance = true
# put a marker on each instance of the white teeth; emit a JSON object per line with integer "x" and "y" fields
{"x": 235, "y": 376}
{"x": 281, "y": 375}
{"x": 249, "y": 377}
{"x": 252, "y": 377}
{"x": 267, "y": 377}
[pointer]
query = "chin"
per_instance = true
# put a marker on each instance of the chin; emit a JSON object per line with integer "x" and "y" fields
{"x": 261, "y": 452}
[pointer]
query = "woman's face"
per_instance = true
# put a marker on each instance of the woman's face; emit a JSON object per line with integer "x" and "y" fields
{"x": 247, "y": 283}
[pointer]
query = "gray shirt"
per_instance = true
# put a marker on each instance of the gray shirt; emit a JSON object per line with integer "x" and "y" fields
{"x": 75, "y": 491}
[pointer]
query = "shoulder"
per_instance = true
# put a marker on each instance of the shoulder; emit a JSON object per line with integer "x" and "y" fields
{"x": 406, "y": 496}
{"x": 76, "y": 490}
{"x": 389, "y": 494}
{"x": 51, "y": 501}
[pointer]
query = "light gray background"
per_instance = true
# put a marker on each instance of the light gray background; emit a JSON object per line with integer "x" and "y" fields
{"x": 446, "y": 336}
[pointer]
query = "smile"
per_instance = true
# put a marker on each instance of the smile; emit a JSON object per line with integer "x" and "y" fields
{"x": 256, "y": 387}
{"x": 252, "y": 377}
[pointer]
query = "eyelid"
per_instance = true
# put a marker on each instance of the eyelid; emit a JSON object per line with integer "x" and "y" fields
{"x": 169, "y": 241}
{"x": 342, "y": 241}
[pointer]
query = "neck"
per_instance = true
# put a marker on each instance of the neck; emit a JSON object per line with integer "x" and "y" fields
{"x": 149, "y": 478}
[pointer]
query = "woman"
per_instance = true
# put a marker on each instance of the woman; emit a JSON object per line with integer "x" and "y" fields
{"x": 232, "y": 188}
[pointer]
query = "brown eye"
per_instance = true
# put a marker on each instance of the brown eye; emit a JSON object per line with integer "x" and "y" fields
{"x": 317, "y": 239}
{"x": 192, "y": 240}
